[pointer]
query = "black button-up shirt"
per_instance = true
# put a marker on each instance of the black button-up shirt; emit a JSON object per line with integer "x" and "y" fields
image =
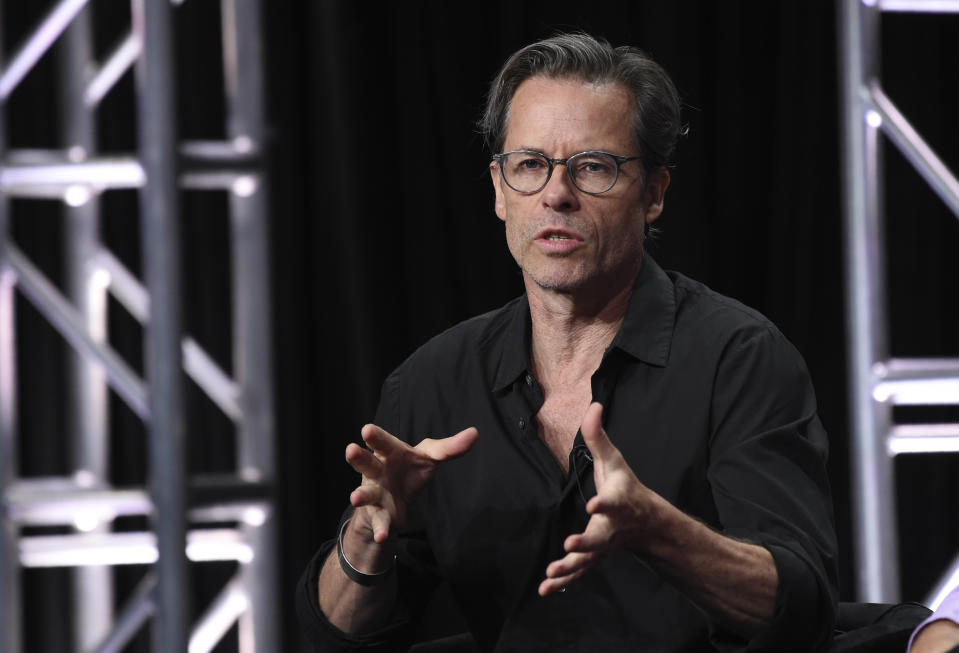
{"x": 711, "y": 407}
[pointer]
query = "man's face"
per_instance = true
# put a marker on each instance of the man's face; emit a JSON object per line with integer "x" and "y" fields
{"x": 563, "y": 239}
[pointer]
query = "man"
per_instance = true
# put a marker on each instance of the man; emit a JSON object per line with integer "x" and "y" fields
{"x": 636, "y": 462}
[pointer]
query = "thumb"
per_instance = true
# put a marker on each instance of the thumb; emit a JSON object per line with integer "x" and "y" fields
{"x": 593, "y": 434}
{"x": 451, "y": 447}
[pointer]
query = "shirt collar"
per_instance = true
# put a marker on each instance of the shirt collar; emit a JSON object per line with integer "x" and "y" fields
{"x": 514, "y": 357}
{"x": 646, "y": 332}
{"x": 647, "y": 329}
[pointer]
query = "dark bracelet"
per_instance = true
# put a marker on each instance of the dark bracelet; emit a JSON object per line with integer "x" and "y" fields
{"x": 354, "y": 574}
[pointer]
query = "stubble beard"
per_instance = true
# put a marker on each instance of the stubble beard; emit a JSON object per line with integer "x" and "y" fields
{"x": 580, "y": 277}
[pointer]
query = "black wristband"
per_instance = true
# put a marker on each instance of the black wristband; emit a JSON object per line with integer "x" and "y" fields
{"x": 354, "y": 574}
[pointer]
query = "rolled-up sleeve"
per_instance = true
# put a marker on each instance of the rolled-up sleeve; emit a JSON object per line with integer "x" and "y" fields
{"x": 768, "y": 477}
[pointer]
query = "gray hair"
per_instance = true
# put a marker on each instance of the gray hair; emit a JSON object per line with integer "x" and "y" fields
{"x": 656, "y": 119}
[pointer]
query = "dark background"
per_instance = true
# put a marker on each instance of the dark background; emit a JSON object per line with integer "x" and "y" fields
{"x": 383, "y": 234}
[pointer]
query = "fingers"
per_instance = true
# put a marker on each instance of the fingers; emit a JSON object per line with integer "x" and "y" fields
{"x": 451, "y": 447}
{"x": 597, "y": 538}
{"x": 370, "y": 494}
{"x": 380, "y": 522}
{"x": 384, "y": 444}
{"x": 381, "y": 441}
{"x": 598, "y": 505}
{"x": 363, "y": 461}
{"x": 377, "y": 519}
{"x": 583, "y": 551}
{"x": 550, "y": 585}
{"x": 593, "y": 434}
{"x": 561, "y": 573}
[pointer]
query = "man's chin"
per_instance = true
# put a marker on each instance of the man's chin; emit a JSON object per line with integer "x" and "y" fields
{"x": 579, "y": 283}
{"x": 567, "y": 283}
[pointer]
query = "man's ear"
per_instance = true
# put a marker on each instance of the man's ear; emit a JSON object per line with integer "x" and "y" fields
{"x": 654, "y": 194}
{"x": 500, "y": 200}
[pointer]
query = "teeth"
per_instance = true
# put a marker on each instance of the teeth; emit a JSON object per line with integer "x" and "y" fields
{"x": 557, "y": 237}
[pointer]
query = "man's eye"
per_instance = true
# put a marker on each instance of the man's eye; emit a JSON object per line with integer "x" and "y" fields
{"x": 531, "y": 164}
{"x": 593, "y": 167}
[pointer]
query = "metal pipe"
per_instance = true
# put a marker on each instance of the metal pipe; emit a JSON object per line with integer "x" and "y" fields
{"x": 87, "y": 394}
{"x": 244, "y": 87}
{"x": 65, "y": 319}
{"x": 196, "y": 362}
{"x": 11, "y": 624}
{"x": 123, "y": 285}
{"x": 107, "y": 172}
{"x": 62, "y": 502}
{"x": 118, "y": 62}
{"x": 217, "y": 385}
{"x": 917, "y": 368}
{"x": 160, "y": 217}
{"x": 916, "y": 150}
{"x": 142, "y": 548}
{"x": 53, "y": 175}
{"x": 223, "y": 612}
{"x": 946, "y": 583}
{"x": 875, "y": 524}
{"x": 923, "y": 438}
{"x": 918, "y": 392}
{"x": 33, "y": 48}
{"x": 919, "y": 6}
{"x": 139, "y": 607}
{"x": 10, "y": 612}
{"x": 70, "y": 506}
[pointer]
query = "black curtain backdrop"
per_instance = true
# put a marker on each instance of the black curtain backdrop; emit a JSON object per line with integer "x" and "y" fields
{"x": 383, "y": 232}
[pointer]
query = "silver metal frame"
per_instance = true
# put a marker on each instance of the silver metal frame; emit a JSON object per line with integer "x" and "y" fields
{"x": 77, "y": 174}
{"x": 879, "y": 382}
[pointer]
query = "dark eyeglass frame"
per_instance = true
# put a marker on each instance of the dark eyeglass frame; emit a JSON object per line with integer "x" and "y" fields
{"x": 620, "y": 160}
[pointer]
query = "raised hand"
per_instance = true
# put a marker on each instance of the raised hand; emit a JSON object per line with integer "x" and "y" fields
{"x": 393, "y": 472}
{"x": 619, "y": 512}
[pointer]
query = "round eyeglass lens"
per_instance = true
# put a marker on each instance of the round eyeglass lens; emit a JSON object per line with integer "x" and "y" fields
{"x": 526, "y": 172}
{"x": 593, "y": 172}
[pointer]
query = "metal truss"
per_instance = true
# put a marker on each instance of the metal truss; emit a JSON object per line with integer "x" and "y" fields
{"x": 880, "y": 382}
{"x": 71, "y": 521}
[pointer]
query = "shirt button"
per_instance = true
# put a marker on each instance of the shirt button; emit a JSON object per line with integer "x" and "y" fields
{"x": 522, "y": 423}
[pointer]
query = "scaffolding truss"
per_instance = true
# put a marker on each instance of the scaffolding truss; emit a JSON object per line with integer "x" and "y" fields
{"x": 878, "y": 381}
{"x": 70, "y": 521}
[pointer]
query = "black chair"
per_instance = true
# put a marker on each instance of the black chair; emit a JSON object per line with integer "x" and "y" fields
{"x": 462, "y": 643}
{"x": 876, "y": 627}
{"x": 860, "y": 628}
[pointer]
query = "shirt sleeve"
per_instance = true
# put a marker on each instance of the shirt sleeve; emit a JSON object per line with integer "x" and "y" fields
{"x": 768, "y": 477}
{"x": 948, "y": 609}
{"x": 323, "y": 635}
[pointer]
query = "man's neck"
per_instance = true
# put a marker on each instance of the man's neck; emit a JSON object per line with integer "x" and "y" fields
{"x": 571, "y": 331}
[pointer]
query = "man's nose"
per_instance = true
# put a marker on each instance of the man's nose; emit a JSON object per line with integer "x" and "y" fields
{"x": 559, "y": 193}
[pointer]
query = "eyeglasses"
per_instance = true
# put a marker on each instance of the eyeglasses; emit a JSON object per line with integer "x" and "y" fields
{"x": 528, "y": 171}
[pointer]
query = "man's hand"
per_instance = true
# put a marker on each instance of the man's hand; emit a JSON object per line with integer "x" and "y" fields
{"x": 393, "y": 472}
{"x": 618, "y": 513}
{"x": 733, "y": 581}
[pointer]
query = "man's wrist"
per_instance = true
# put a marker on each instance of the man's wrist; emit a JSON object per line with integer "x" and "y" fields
{"x": 365, "y": 578}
